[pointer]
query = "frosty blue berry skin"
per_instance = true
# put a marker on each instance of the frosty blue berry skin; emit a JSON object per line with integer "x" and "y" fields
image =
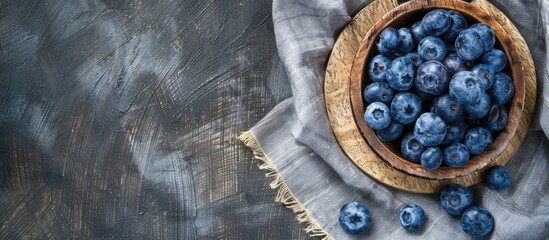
{"x": 416, "y": 59}
{"x": 455, "y": 154}
{"x": 485, "y": 73}
{"x": 417, "y": 31}
{"x": 355, "y": 218}
{"x": 378, "y": 92}
{"x": 391, "y": 132}
{"x": 389, "y": 40}
{"x": 502, "y": 90}
{"x": 486, "y": 34}
{"x": 496, "y": 119}
{"x": 447, "y": 108}
{"x": 405, "y": 107}
{"x": 478, "y": 140}
{"x": 454, "y": 63}
{"x": 407, "y": 42}
{"x": 378, "y": 67}
{"x": 401, "y": 74}
{"x": 431, "y": 158}
{"x": 432, "y": 78}
{"x": 377, "y": 115}
{"x": 495, "y": 58}
{"x": 478, "y": 109}
{"x": 465, "y": 87}
{"x": 455, "y": 199}
{"x": 477, "y": 222}
{"x": 431, "y": 48}
{"x": 457, "y": 24}
{"x": 436, "y": 22}
{"x": 411, "y": 148}
{"x": 469, "y": 44}
{"x": 412, "y": 217}
{"x": 498, "y": 178}
{"x": 429, "y": 129}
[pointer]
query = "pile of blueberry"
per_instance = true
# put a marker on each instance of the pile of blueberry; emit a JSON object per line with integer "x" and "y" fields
{"x": 457, "y": 200}
{"x": 438, "y": 88}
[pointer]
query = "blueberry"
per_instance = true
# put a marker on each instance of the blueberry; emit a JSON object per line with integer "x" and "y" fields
{"x": 405, "y": 107}
{"x": 432, "y": 78}
{"x": 431, "y": 158}
{"x": 416, "y": 59}
{"x": 436, "y": 22}
{"x": 411, "y": 148}
{"x": 389, "y": 39}
{"x": 454, "y": 63}
{"x": 430, "y": 129}
{"x": 377, "y": 115}
{"x": 485, "y": 73}
{"x": 498, "y": 178}
{"x": 417, "y": 31}
{"x": 406, "y": 40}
{"x": 455, "y": 199}
{"x": 478, "y": 140}
{"x": 465, "y": 87}
{"x": 469, "y": 44}
{"x": 455, "y": 132}
{"x": 455, "y": 154}
{"x": 457, "y": 24}
{"x": 432, "y": 48}
{"x": 496, "y": 119}
{"x": 412, "y": 217}
{"x": 495, "y": 58}
{"x": 355, "y": 218}
{"x": 447, "y": 108}
{"x": 379, "y": 92}
{"x": 401, "y": 74}
{"x": 391, "y": 132}
{"x": 486, "y": 34}
{"x": 478, "y": 109}
{"x": 477, "y": 222}
{"x": 502, "y": 90}
{"x": 377, "y": 68}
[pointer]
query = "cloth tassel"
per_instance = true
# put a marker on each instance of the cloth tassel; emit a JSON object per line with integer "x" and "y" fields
{"x": 284, "y": 195}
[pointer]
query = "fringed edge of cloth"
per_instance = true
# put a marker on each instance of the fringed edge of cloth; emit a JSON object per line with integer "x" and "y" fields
{"x": 284, "y": 194}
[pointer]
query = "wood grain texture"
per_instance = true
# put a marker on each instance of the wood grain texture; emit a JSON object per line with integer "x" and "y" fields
{"x": 339, "y": 108}
{"x": 118, "y": 120}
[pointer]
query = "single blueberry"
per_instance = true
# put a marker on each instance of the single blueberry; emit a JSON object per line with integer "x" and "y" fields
{"x": 412, "y": 217}
{"x": 465, "y": 87}
{"x": 447, "y": 108}
{"x": 495, "y": 58}
{"x": 431, "y": 158}
{"x": 498, "y": 178}
{"x": 417, "y": 31}
{"x": 432, "y": 48}
{"x": 391, "y": 132}
{"x": 469, "y": 44}
{"x": 496, "y": 119}
{"x": 478, "y": 109}
{"x": 411, "y": 148}
{"x": 355, "y": 218}
{"x": 436, "y": 22}
{"x": 477, "y": 222}
{"x": 478, "y": 140}
{"x": 455, "y": 132}
{"x": 485, "y": 73}
{"x": 377, "y": 68}
{"x": 377, "y": 115}
{"x": 454, "y": 63}
{"x": 486, "y": 34}
{"x": 405, "y": 107}
{"x": 430, "y": 129}
{"x": 432, "y": 78}
{"x": 416, "y": 59}
{"x": 406, "y": 40}
{"x": 457, "y": 24}
{"x": 379, "y": 92}
{"x": 389, "y": 39}
{"x": 455, "y": 199}
{"x": 455, "y": 154}
{"x": 502, "y": 90}
{"x": 401, "y": 74}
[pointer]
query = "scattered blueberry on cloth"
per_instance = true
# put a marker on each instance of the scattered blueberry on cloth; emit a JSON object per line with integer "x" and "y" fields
{"x": 298, "y": 148}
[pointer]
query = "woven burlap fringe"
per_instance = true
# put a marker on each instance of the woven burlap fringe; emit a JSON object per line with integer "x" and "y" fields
{"x": 284, "y": 194}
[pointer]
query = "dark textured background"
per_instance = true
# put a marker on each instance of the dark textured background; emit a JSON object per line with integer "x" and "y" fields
{"x": 118, "y": 120}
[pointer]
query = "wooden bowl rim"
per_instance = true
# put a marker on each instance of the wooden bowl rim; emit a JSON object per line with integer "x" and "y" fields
{"x": 514, "y": 112}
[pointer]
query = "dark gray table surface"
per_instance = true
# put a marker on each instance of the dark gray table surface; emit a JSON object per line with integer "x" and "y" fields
{"x": 118, "y": 120}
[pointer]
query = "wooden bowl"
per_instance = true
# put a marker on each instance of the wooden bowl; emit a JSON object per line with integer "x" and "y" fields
{"x": 403, "y": 16}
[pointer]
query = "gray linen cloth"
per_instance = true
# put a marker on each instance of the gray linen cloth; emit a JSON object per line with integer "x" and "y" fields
{"x": 297, "y": 139}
